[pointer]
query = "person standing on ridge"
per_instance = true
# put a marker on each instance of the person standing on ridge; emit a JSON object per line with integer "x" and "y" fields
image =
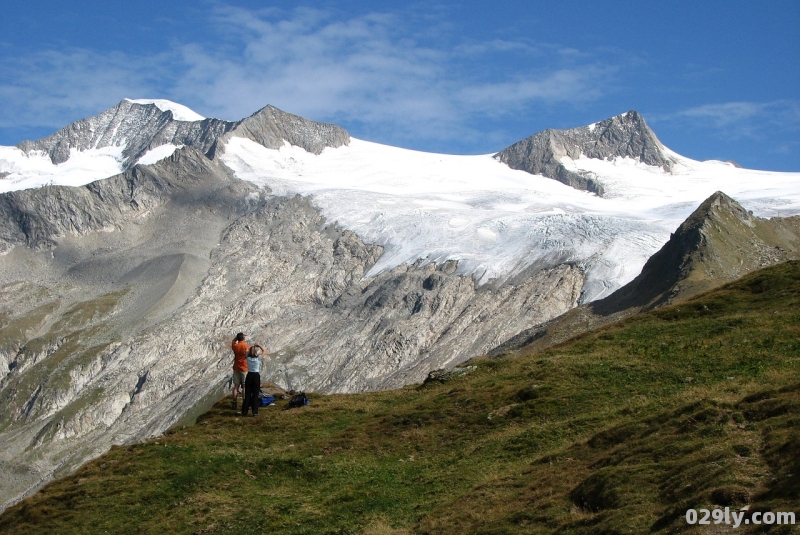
{"x": 252, "y": 383}
{"x": 240, "y": 349}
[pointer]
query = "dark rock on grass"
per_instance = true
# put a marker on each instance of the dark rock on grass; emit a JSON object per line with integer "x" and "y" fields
{"x": 446, "y": 375}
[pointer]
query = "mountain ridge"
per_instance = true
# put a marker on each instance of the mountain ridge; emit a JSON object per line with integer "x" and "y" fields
{"x": 625, "y": 135}
{"x": 718, "y": 243}
{"x": 141, "y": 127}
{"x": 37, "y": 217}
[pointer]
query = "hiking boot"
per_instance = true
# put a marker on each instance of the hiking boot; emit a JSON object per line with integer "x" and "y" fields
{"x": 233, "y": 404}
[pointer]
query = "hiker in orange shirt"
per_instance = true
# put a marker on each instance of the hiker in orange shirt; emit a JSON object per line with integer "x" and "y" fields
{"x": 240, "y": 349}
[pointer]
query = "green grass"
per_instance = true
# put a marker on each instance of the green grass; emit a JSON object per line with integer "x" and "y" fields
{"x": 617, "y": 431}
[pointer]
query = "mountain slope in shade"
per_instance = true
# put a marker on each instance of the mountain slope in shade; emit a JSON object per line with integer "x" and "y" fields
{"x": 718, "y": 243}
{"x": 623, "y": 136}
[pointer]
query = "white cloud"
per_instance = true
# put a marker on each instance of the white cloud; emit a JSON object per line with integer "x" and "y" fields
{"x": 379, "y": 70}
{"x": 566, "y": 85}
{"x": 741, "y": 119}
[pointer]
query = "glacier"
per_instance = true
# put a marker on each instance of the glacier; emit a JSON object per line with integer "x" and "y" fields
{"x": 497, "y": 221}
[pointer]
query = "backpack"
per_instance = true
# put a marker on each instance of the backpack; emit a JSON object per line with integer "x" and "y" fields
{"x": 298, "y": 400}
{"x": 266, "y": 399}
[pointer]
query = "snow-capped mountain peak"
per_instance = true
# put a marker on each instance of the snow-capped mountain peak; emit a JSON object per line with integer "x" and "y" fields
{"x": 146, "y": 131}
{"x": 622, "y": 136}
{"x": 137, "y": 126}
{"x": 106, "y": 144}
{"x": 179, "y": 111}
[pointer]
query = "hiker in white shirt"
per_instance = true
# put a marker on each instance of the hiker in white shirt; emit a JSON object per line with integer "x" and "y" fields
{"x": 252, "y": 382}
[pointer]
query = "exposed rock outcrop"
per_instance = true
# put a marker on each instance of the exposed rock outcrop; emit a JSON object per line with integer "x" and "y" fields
{"x": 625, "y": 135}
{"x": 272, "y": 128}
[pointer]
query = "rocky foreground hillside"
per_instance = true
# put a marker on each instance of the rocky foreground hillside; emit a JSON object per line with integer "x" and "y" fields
{"x": 119, "y": 301}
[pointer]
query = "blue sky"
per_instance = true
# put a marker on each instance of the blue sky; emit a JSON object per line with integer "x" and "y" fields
{"x": 715, "y": 80}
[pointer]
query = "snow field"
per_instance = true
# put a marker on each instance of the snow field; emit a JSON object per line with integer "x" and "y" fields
{"x": 179, "y": 111}
{"x": 497, "y": 221}
{"x": 34, "y": 170}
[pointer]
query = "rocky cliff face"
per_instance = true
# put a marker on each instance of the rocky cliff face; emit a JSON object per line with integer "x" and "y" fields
{"x": 625, "y": 135}
{"x": 119, "y": 300}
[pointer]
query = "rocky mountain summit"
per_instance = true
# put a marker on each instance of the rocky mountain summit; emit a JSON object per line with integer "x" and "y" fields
{"x": 718, "y": 243}
{"x": 271, "y": 128}
{"x": 138, "y": 128}
{"x": 625, "y": 135}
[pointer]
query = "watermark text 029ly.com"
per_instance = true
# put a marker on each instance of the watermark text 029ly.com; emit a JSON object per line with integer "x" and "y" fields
{"x": 737, "y": 518}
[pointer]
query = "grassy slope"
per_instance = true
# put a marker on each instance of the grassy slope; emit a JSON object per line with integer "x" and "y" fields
{"x": 617, "y": 431}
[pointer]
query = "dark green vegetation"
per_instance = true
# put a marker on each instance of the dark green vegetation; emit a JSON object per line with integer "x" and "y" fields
{"x": 617, "y": 431}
